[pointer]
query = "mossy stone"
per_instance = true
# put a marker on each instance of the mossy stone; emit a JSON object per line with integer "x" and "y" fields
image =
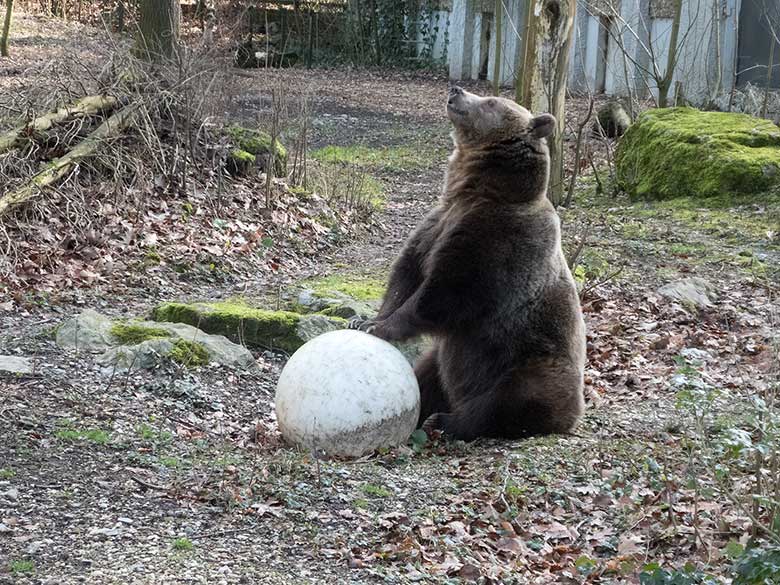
{"x": 683, "y": 152}
{"x": 240, "y": 162}
{"x": 257, "y": 144}
{"x": 253, "y": 327}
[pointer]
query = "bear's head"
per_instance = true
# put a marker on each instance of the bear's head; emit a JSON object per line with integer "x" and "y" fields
{"x": 500, "y": 148}
{"x": 484, "y": 120}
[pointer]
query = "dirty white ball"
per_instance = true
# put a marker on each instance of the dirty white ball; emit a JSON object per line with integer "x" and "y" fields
{"x": 347, "y": 393}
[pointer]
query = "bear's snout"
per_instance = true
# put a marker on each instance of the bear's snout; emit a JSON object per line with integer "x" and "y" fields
{"x": 455, "y": 91}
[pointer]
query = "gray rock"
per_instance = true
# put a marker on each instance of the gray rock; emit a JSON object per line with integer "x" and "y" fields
{"x": 349, "y": 309}
{"x": 335, "y": 305}
{"x": 693, "y": 292}
{"x": 221, "y": 350}
{"x": 310, "y": 302}
{"x": 15, "y": 365}
{"x": 310, "y": 326}
{"x": 90, "y": 331}
{"x": 10, "y": 495}
{"x": 142, "y": 356}
{"x": 104, "y": 532}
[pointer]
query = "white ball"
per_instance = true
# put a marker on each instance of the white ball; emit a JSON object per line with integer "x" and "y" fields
{"x": 347, "y": 393}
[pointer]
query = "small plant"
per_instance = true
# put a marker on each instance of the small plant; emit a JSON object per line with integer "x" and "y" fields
{"x": 758, "y": 566}
{"x": 183, "y": 544}
{"x": 653, "y": 574}
{"x": 170, "y": 462}
{"x": 514, "y": 493}
{"x": 7, "y": 473}
{"x": 152, "y": 258}
{"x": 376, "y": 491}
{"x": 418, "y": 440}
{"x": 148, "y": 433}
{"x": 585, "y": 565}
{"x": 22, "y": 567}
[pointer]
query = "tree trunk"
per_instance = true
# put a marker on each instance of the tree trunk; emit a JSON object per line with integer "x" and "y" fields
{"x": 9, "y": 9}
{"x": 497, "y": 64}
{"x": 527, "y": 79}
{"x": 541, "y": 86}
{"x": 562, "y": 40}
{"x": 666, "y": 82}
{"x": 771, "y": 65}
{"x": 158, "y": 28}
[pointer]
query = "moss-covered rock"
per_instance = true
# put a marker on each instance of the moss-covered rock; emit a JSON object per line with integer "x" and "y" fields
{"x": 240, "y": 162}
{"x": 135, "y": 344}
{"x": 255, "y": 147}
{"x": 682, "y": 152}
{"x": 254, "y": 327}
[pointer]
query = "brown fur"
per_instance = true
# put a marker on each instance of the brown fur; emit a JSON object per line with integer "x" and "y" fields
{"x": 484, "y": 274}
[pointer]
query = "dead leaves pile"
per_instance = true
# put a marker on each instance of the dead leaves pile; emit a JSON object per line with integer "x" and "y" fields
{"x": 114, "y": 240}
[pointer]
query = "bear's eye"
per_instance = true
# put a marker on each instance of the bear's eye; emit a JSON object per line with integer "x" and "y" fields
{"x": 491, "y": 103}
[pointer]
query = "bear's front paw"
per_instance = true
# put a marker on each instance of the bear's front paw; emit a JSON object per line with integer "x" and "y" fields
{"x": 358, "y": 324}
{"x": 433, "y": 423}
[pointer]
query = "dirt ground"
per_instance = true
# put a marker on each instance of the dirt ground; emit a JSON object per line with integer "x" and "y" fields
{"x": 179, "y": 476}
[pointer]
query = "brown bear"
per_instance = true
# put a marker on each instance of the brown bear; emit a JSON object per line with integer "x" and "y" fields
{"x": 485, "y": 275}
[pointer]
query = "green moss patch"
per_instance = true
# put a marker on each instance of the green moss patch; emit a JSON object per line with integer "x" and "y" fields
{"x": 131, "y": 334}
{"x": 238, "y": 322}
{"x": 751, "y": 217}
{"x": 357, "y": 287}
{"x": 189, "y": 353}
{"x": 72, "y": 434}
{"x": 682, "y": 152}
{"x": 394, "y": 158}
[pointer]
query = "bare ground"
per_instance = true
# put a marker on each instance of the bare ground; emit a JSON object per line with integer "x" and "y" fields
{"x": 178, "y": 476}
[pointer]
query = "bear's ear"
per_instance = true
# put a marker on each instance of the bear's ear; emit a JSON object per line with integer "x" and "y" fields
{"x": 542, "y": 125}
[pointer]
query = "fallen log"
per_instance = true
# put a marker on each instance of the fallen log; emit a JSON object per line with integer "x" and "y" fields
{"x": 60, "y": 167}
{"x": 90, "y": 105}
